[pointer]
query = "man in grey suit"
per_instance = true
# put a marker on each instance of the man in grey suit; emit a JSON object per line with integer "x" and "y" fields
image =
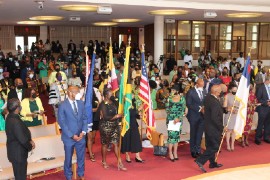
{"x": 260, "y": 78}
{"x": 67, "y": 70}
{"x": 73, "y": 122}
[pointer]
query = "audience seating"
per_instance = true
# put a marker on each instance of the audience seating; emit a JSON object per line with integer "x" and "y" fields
{"x": 46, "y": 147}
{"x": 36, "y": 131}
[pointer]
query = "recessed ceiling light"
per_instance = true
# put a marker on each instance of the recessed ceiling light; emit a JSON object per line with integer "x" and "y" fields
{"x": 125, "y": 20}
{"x": 88, "y": 8}
{"x": 105, "y": 23}
{"x": 198, "y": 22}
{"x": 31, "y": 22}
{"x": 46, "y": 18}
{"x": 167, "y": 12}
{"x": 243, "y": 15}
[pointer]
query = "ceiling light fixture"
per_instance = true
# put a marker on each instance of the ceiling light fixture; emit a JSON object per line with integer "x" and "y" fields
{"x": 105, "y": 23}
{"x": 168, "y": 12}
{"x": 46, "y": 18}
{"x": 87, "y": 8}
{"x": 31, "y": 22}
{"x": 244, "y": 15}
{"x": 127, "y": 20}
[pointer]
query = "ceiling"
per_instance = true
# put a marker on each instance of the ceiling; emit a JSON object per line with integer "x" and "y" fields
{"x": 12, "y": 11}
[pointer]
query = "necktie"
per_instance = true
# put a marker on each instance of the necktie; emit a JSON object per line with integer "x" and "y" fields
{"x": 201, "y": 95}
{"x": 75, "y": 108}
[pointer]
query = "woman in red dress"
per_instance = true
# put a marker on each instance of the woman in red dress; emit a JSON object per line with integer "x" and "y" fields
{"x": 225, "y": 78}
{"x": 252, "y": 103}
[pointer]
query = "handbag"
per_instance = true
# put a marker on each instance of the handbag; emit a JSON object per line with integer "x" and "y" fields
{"x": 160, "y": 149}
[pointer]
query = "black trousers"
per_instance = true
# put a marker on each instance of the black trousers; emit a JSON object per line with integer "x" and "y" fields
{"x": 20, "y": 170}
{"x": 263, "y": 124}
{"x": 212, "y": 145}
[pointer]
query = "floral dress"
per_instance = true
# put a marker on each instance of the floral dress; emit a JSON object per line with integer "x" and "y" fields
{"x": 175, "y": 110}
{"x": 250, "y": 112}
{"x": 2, "y": 120}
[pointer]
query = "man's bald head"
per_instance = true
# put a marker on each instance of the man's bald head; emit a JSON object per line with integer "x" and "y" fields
{"x": 72, "y": 91}
{"x": 18, "y": 82}
{"x": 200, "y": 83}
{"x": 216, "y": 90}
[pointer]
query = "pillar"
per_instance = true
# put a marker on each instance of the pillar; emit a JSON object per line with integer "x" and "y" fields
{"x": 158, "y": 40}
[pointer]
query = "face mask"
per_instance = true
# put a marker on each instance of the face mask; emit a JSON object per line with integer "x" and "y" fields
{"x": 27, "y": 65}
{"x": 233, "y": 93}
{"x": 74, "y": 75}
{"x": 136, "y": 69}
{"x": 16, "y": 64}
{"x": 31, "y": 76}
{"x": 209, "y": 54}
{"x": 10, "y": 59}
{"x": 1, "y": 70}
{"x": 57, "y": 70}
{"x": 59, "y": 78}
{"x": 45, "y": 62}
{"x": 34, "y": 95}
{"x": 78, "y": 96}
{"x": 20, "y": 86}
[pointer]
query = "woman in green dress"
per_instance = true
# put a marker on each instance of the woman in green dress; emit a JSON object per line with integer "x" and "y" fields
{"x": 43, "y": 68}
{"x": 136, "y": 91}
{"x": 153, "y": 90}
{"x": 32, "y": 109}
{"x": 175, "y": 108}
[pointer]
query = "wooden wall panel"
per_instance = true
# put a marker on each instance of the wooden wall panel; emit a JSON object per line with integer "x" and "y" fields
{"x": 7, "y": 37}
{"x": 149, "y": 38}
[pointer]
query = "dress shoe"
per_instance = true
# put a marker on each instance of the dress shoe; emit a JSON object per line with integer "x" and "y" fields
{"x": 200, "y": 166}
{"x": 198, "y": 154}
{"x": 194, "y": 155}
{"x": 139, "y": 160}
{"x": 81, "y": 178}
{"x": 128, "y": 161}
{"x": 258, "y": 142}
{"x": 267, "y": 141}
{"x": 176, "y": 159}
{"x": 215, "y": 165}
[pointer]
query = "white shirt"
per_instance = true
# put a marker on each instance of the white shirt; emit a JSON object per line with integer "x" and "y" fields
{"x": 97, "y": 63}
{"x": 19, "y": 94}
{"x": 241, "y": 60}
{"x": 72, "y": 105}
{"x": 189, "y": 59}
{"x": 200, "y": 94}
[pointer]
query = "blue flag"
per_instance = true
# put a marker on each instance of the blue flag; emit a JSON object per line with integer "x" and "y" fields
{"x": 89, "y": 95}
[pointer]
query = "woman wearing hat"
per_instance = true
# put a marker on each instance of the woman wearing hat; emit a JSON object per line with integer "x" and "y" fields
{"x": 176, "y": 107}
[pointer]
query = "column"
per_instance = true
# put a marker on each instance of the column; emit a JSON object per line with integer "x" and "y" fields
{"x": 43, "y": 33}
{"x": 158, "y": 40}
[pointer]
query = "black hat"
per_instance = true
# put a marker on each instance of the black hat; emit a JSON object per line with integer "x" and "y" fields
{"x": 176, "y": 87}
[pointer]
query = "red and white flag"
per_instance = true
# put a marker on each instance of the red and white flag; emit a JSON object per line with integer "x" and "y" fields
{"x": 112, "y": 78}
{"x": 145, "y": 96}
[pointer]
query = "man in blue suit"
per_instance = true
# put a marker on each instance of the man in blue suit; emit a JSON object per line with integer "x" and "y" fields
{"x": 73, "y": 122}
{"x": 195, "y": 98}
{"x": 263, "y": 128}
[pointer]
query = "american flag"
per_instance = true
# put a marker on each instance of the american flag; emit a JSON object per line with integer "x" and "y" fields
{"x": 145, "y": 96}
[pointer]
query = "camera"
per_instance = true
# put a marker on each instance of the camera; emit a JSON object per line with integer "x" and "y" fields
{"x": 40, "y": 5}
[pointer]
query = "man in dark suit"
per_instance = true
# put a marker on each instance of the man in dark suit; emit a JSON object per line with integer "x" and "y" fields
{"x": 24, "y": 70}
{"x": 213, "y": 80}
{"x": 263, "y": 96}
{"x": 73, "y": 122}
{"x": 67, "y": 70}
{"x": 19, "y": 141}
{"x": 195, "y": 98}
{"x": 18, "y": 92}
{"x": 72, "y": 47}
{"x": 213, "y": 116}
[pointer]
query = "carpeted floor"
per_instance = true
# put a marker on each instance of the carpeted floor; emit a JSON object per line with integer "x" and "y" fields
{"x": 160, "y": 168}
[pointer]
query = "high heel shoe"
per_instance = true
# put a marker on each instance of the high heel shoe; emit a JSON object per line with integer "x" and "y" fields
{"x": 128, "y": 161}
{"x": 138, "y": 160}
{"x": 104, "y": 164}
{"x": 121, "y": 167}
{"x": 243, "y": 144}
{"x": 92, "y": 158}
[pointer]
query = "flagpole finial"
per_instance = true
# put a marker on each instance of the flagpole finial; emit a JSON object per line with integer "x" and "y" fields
{"x": 86, "y": 49}
{"x": 143, "y": 47}
{"x": 129, "y": 40}
{"x": 95, "y": 47}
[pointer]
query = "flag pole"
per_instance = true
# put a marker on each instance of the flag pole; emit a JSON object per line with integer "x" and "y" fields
{"x": 121, "y": 137}
{"x": 225, "y": 129}
{"x": 143, "y": 50}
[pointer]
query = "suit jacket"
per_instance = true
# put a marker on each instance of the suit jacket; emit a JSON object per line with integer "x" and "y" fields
{"x": 68, "y": 73}
{"x": 213, "y": 116}
{"x": 262, "y": 98}
{"x": 70, "y": 123}
{"x": 24, "y": 74}
{"x": 13, "y": 94}
{"x": 193, "y": 103}
{"x": 18, "y": 139}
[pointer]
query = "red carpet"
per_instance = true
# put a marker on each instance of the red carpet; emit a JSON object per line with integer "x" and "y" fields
{"x": 160, "y": 168}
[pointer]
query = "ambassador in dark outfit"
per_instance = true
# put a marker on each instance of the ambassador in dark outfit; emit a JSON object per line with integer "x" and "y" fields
{"x": 195, "y": 99}
{"x": 213, "y": 116}
{"x": 19, "y": 141}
